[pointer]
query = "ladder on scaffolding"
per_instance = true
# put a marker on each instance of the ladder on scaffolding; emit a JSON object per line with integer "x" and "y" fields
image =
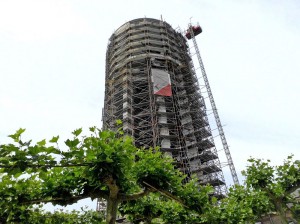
{"x": 191, "y": 33}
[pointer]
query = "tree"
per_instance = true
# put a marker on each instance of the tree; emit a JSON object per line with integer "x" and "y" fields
{"x": 105, "y": 164}
{"x": 156, "y": 208}
{"x": 241, "y": 205}
{"x": 36, "y": 215}
{"x": 277, "y": 183}
{"x": 267, "y": 189}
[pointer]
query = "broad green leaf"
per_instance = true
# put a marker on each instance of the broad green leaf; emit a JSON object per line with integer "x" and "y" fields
{"x": 43, "y": 175}
{"x": 119, "y": 122}
{"x": 41, "y": 143}
{"x": 54, "y": 139}
{"x": 92, "y": 129}
{"x": 77, "y": 132}
{"x": 52, "y": 150}
{"x": 109, "y": 160}
{"x": 72, "y": 143}
{"x": 16, "y": 136}
{"x": 20, "y": 131}
{"x": 104, "y": 134}
{"x": 17, "y": 174}
{"x": 34, "y": 150}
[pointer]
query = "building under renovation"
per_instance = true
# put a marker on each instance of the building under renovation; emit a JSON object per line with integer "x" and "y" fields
{"x": 151, "y": 85}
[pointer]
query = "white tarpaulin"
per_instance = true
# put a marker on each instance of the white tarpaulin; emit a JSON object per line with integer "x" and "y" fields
{"x": 161, "y": 82}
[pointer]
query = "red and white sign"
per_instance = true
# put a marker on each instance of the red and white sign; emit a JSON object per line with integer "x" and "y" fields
{"x": 161, "y": 82}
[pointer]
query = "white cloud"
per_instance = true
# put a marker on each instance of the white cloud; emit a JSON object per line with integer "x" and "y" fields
{"x": 34, "y": 20}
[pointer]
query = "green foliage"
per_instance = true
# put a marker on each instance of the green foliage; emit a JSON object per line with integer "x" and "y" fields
{"x": 160, "y": 173}
{"x": 36, "y": 215}
{"x": 267, "y": 189}
{"x": 157, "y": 208}
{"x": 54, "y": 139}
{"x": 185, "y": 206}
{"x": 195, "y": 197}
{"x": 17, "y": 135}
{"x": 241, "y": 205}
{"x": 277, "y": 182}
{"x": 176, "y": 213}
{"x": 105, "y": 164}
{"x": 143, "y": 208}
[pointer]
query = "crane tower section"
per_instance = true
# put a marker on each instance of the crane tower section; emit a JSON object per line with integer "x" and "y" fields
{"x": 191, "y": 34}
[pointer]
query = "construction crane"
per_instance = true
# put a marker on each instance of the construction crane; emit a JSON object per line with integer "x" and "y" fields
{"x": 191, "y": 34}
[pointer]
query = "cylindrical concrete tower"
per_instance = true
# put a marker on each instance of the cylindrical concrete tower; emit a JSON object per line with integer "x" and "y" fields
{"x": 152, "y": 87}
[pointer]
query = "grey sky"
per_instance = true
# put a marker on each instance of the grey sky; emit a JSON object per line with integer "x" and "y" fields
{"x": 52, "y": 66}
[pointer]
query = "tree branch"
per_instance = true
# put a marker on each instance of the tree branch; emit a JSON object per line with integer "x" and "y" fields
{"x": 167, "y": 194}
{"x": 44, "y": 166}
{"x": 73, "y": 199}
{"x": 135, "y": 196}
{"x": 112, "y": 186}
{"x": 99, "y": 194}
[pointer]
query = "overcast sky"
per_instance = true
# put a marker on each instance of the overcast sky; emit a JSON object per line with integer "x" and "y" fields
{"x": 52, "y": 66}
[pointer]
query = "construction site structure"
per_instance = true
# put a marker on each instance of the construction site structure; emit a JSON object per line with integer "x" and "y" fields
{"x": 191, "y": 33}
{"x": 151, "y": 85}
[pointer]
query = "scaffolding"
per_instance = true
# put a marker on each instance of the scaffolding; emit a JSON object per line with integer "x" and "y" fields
{"x": 142, "y": 55}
